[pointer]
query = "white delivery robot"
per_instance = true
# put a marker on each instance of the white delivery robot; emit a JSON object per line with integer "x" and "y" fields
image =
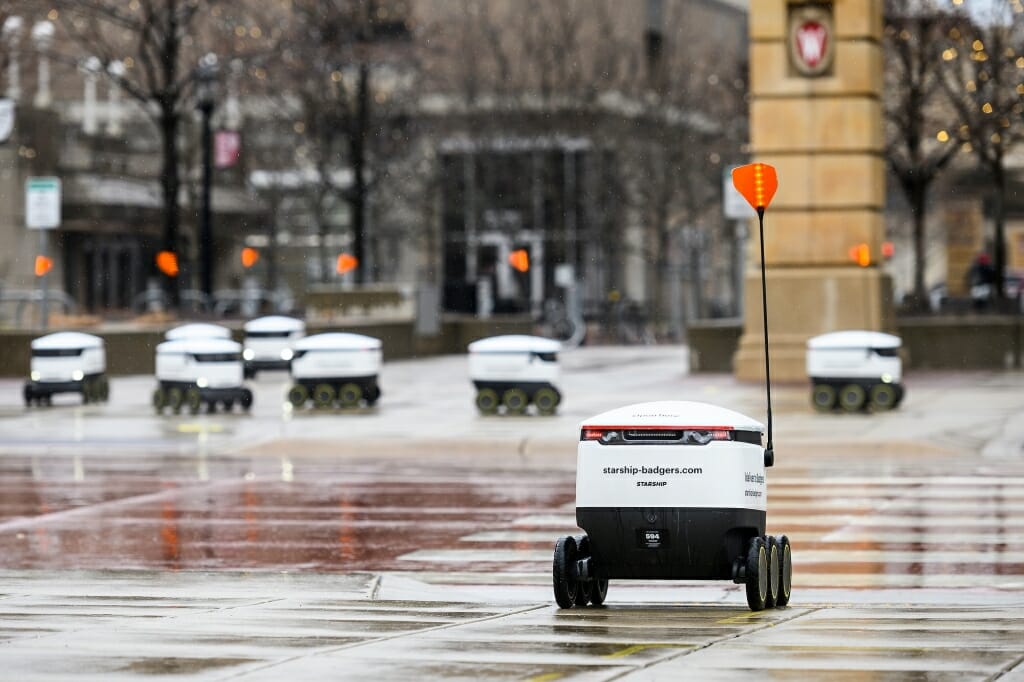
{"x": 337, "y": 368}
{"x": 676, "y": 490}
{"x": 671, "y": 490}
{"x": 198, "y": 330}
{"x": 191, "y": 372}
{"x": 514, "y": 371}
{"x": 855, "y": 370}
{"x": 268, "y": 342}
{"x": 67, "y": 362}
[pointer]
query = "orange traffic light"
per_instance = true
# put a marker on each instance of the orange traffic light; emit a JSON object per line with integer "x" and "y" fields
{"x": 249, "y": 257}
{"x": 757, "y": 183}
{"x": 861, "y": 254}
{"x": 520, "y": 260}
{"x": 346, "y": 263}
{"x": 167, "y": 263}
{"x": 43, "y": 265}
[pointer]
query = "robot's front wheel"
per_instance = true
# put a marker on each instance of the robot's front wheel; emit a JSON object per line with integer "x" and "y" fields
{"x": 757, "y": 574}
{"x": 882, "y": 397}
{"x": 565, "y": 583}
{"x": 546, "y": 399}
{"x": 246, "y": 400}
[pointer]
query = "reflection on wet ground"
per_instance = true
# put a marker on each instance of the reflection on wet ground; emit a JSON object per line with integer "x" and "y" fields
{"x": 306, "y": 515}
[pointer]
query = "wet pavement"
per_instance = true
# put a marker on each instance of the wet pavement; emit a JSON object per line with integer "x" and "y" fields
{"x": 414, "y": 541}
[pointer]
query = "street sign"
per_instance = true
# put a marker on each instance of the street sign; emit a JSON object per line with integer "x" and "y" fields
{"x": 42, "y": 203}
{"x": 734, "y": 205}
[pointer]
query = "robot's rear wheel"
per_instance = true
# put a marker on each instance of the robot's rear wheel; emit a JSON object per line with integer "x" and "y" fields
{"x": 487, "y": 401}
{"x": 774, "y": 564}
{"x": 159, "y": 400}
{"x": 298, "y": 395}
{"x": 785, "y": 571}
{"x": 823, "y": 397}
{"x": 246, "y": 399}
{"x": 582, "y": 588}
{"x": 565, "y": 584}
{"x": 757, "y": 574}
{"x": 851, "y": 397}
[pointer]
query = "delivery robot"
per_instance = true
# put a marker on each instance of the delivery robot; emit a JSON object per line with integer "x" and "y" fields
{"x": 67, "y": 362}
{"x": 197, "y": 330}
{"x": 336, "y": 368}
{"x": 671, "y": 491}
{"x": 676, "y": 490}
{"x": 197, "y": 371}
{"x": 513, "y": 372}
{"x": 268, "y": 343}
{"x": 855, "y": 370}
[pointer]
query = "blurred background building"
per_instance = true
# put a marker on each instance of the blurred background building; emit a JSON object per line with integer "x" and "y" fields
{"x": 501, "y": 156}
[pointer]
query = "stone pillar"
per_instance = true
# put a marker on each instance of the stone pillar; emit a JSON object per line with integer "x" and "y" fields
{"x": 816, "y": 115}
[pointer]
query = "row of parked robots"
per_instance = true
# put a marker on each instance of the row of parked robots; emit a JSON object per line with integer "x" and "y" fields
{"x": 200, "y": 365}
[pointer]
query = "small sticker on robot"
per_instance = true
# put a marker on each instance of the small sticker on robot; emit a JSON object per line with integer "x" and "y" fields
{"x": 651, "y": 538}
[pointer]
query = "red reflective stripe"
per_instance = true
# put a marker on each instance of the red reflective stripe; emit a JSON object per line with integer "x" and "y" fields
{"x": 640, "y": 427}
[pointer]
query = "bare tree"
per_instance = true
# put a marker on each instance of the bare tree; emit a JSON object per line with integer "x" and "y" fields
{"x": 985, "y": 59}
{"x": 917, "y": 117}
{"x": 158, "y": 42}
{"x": 344, "y": 61}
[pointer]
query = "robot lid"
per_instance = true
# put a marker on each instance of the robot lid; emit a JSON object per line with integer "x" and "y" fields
{"x": 337, "y": 341}
{"x": 854, "y": 339}
{"x": 199, "y": 346}
{"x": 275, "y": 323}
{"x": 673, "y": 414}
{"x": 198, "y": 330}
{"x": 66, "y": 341}
{"x": 515, "y": 343}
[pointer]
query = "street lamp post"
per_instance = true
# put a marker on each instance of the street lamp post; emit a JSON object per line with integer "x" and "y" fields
{"x": 205, "y": 94}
